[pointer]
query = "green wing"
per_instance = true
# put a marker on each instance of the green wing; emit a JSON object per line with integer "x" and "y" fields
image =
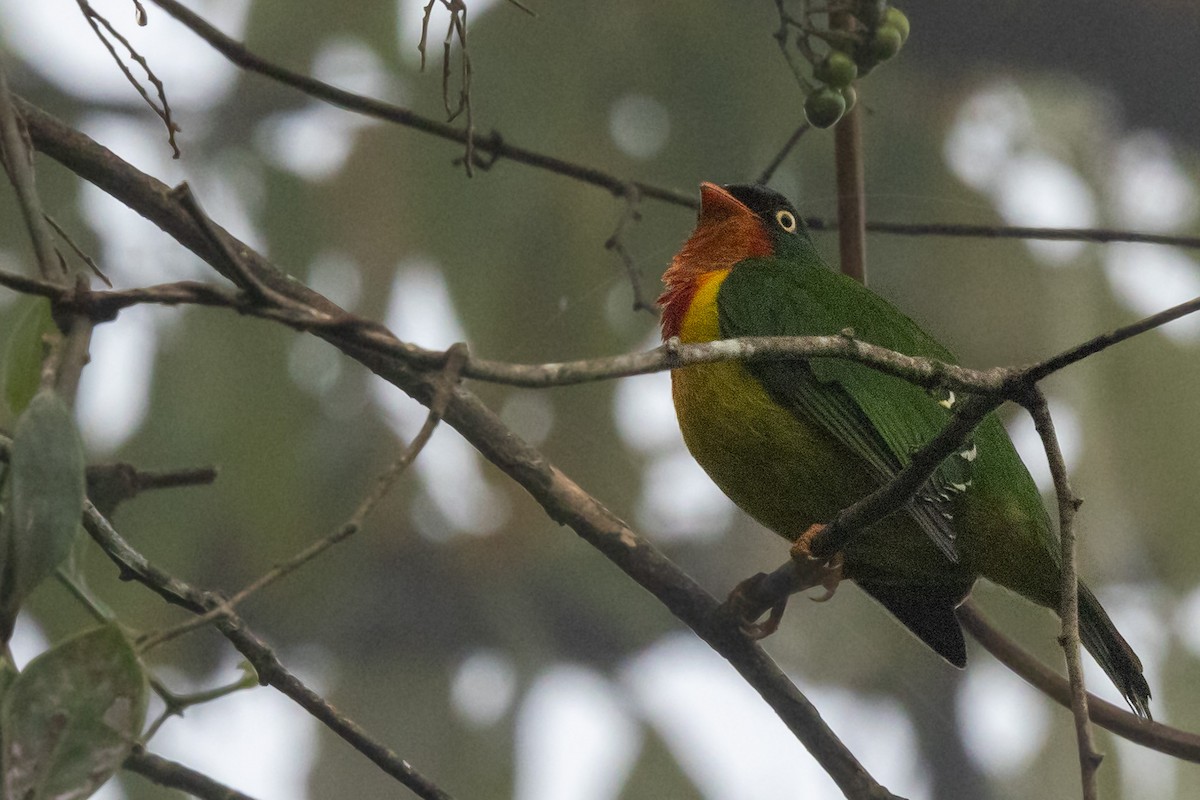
{"x": 880, "y": 418}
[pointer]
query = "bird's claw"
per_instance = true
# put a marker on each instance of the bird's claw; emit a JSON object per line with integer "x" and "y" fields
{"x": 744, "y": 605}
{"x": 832, "y": 576}
{"x": 761, "y": 630}
{"x": 826, "y": 573}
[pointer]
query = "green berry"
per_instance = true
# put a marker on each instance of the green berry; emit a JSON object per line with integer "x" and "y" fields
{"x": 896, "y": 19}
{"x": 849, "y": 95}
{"x": 885, "y": 43}
{"x": 837, "y": 69}
{"x": 824, "y": 107}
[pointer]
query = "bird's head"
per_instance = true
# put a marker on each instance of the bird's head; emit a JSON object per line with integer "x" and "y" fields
{"x": 736, "y": 222}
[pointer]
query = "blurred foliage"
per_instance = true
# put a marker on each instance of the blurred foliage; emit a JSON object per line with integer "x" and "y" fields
{"x": 397, "y": 609}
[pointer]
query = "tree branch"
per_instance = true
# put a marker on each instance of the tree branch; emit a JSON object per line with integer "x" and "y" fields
{"x": 174, "y": 775}
{"x": 1155, "y": 735}
{"x": 17, "y": 151}
{"x": 271, "y": 672}
{"x": 1068, "y": 612}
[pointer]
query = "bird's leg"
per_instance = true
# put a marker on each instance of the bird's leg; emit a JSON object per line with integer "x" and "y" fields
{"x": 826, "y": 573}
{"x": 769, "y": 594}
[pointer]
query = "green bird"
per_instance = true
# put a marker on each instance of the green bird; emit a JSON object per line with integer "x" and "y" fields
{"x": 794, "y": 442}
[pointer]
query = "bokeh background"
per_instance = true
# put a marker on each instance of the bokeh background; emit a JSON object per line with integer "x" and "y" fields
{"x": 493, "y": 649}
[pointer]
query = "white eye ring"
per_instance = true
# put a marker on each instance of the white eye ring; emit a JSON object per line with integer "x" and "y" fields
{"x": 786, "y": 220}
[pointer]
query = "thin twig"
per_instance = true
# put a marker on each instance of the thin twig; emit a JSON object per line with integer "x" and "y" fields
{"x": 1154, "y": 735}
{"x": 457, "y": 28}
{"x": 66, "y": 237}
{"x": 1107, "y": 340}
{"x": 449, "y": 378}
{"x": 768, "y": 172}
{"x": 18, "y": 161}
{"x": 1092, "y": 235}
{"x": 110, "y": 485}
{"x": 497, "y": 147}
{"x": 17, "y": 154}
{"x": 174, "y": 775}
{"x": 175, "y": 704}
{"x": 134, "y": 566}
{"x": 1068, "y": 504}
{"x": 95, "y": 19}
{"x": 246, "y": 280}
{"x": 616, "y": 243}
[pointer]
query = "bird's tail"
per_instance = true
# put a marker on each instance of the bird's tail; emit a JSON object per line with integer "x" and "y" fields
{"x": 1112, "y": 652}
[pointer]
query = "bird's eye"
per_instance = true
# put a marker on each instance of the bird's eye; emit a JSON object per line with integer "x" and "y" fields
{"x": 786, "y": 220}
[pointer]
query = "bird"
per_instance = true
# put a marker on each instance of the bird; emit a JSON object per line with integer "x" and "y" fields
{"x": 793, "y": 442}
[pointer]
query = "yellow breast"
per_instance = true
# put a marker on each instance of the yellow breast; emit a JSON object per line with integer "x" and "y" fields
{"x": 763, "y": 456}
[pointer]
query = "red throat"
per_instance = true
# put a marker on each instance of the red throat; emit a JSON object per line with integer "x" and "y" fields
{"x": 727, "y": 232}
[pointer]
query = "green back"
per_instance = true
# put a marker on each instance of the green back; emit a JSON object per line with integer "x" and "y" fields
{"x": 882, "y": 419}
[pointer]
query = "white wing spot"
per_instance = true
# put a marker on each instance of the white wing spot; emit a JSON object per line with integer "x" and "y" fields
{"x": 949, "y": 401}
{"x": 960, "y": 487}
{"x": 970, "y": 455}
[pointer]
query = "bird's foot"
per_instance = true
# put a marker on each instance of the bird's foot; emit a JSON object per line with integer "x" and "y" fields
{"x": 768, "y": 594}
{"x": 745, "y": 605}
{"x": 813, "y": 572}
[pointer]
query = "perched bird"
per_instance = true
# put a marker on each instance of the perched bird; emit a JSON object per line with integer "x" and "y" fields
{"x": 794, "y": 442}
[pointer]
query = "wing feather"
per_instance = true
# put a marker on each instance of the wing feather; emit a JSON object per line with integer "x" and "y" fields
{"x": 880, "y": 418}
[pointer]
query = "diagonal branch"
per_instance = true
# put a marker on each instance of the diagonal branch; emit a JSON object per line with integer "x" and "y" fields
{"x": 173, "y": 775}
{"x": 271, "y": 672}
{"x": 382, "y": 486}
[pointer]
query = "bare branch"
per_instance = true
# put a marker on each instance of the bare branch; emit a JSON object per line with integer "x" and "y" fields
{"x": 109, "y": 485}
{"x": 1089, "y": 758}
{"x": 18, "y": 161}
{"x": 84, "y": 257}
{"x": 174, "y": 775}
{"x": 1155, "y": 735}
{"x": 1093, "y": 235}
{"x": 16, "y": 151}
{"x": 135, "y": 566}
{"x": 768, "y": 172}
{"x": 449, "y": 378}
{"x": 162, "y": 108}
{"x": 616, "y": 243}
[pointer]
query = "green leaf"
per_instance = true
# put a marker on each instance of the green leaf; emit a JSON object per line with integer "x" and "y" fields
{"x": 46, "y": 491}
{"x": 71, "y": 717}
{"x": 23, "y": 355}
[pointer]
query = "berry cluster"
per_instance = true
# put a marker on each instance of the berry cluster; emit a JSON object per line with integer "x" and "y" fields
{"x": 883, "y": 30}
